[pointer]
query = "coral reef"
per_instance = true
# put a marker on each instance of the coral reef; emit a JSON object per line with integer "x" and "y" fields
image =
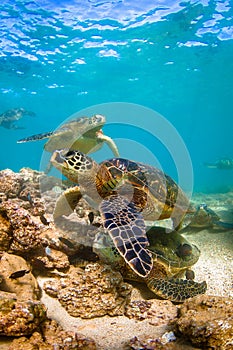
{"x": 207, "y": 321}
{"x": 165, "y": 342}
{"x": 20, "y": 317}
{"x": 23, "y": 232}
{"x": 31, "y": 245}
{"x": 95, "y": 291}
{"x": 48, "y": 260}
{"x": 21, "y": 210}
{"x": 157, "y": 311}
{"x": 50, "y": 336}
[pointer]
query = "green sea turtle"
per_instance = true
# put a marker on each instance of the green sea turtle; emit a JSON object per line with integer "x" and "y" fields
{"x": 204, "y": 217}
{"x": 8, "y": 118}
{"x": 172, "y": 256}
{"x": 222, "y": 164}
{"x": 126, "y": 193}
{"x": 82, "y": 133}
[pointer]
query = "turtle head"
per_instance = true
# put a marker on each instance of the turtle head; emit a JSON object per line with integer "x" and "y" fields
{"x": 97, "y": 119}
{"x": 92, "y": 124}
{"x": 73, "y": 164}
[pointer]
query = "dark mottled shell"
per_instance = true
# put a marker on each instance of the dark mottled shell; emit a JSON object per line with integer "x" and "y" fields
{"x": 156, "y": 193}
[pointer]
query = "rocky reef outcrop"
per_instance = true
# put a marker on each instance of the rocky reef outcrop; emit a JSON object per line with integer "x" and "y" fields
{"x": 207, "y": 321}
{"x": 94, "y": 291}
{"x": 50, "y": 336}
{"x": 32, "y": 246}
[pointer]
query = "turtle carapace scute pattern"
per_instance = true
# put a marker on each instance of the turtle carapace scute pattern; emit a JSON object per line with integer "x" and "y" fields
{"x": 80, "y": 133}
{"x": 126, "y": 193}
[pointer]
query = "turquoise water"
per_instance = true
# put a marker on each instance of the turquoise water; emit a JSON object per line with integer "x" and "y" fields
{"x": 58, "y": 58}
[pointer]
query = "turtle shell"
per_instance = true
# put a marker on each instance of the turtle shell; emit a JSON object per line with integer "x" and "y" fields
{"x": 154, "y": 193}
{"x": 79, "y": 133}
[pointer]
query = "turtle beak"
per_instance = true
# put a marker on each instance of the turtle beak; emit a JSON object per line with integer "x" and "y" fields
{"x": 58, "y": 159}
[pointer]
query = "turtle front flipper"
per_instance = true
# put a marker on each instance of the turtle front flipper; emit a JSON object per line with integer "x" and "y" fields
{"x": 225, "y": 225}
{"x": 67, "y": 202}
{"x": 36, "y": 137}
{"x": 126, "y": 227}
{"x": 44, "y": 135}
{"x": 176, "y": 289}
{"x": 109, "y": 141}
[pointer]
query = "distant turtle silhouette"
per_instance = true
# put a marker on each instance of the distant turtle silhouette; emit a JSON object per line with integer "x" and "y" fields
{"x": 8, "y": 118}
{"x": 204, "y": 217}
{"x": 222, "y": 164}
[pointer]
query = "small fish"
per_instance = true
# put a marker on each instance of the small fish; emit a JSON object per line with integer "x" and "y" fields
{"x": 30, "y": 200}
{"x": 91, "y": 217}
{"x": 47, "y": 251}
{"x": 19, "y": 274}
{"x": 67, "y": 242}
{"x": 44, "y": 220}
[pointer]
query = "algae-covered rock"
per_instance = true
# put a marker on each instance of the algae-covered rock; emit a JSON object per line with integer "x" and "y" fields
{"x": 50, "y": 337}
{"x": 158, "y": 311}
{"x": 23, "y": 231}
{"x": 91, "y": 292}
{"x": 20, "y": 317}
{"x": 165, "y": 342}
{"x": 49, "y": 259}
{"x": 10, "y": 183}
{"x": 17, "y": 278}
{"x": 207, "y": 321}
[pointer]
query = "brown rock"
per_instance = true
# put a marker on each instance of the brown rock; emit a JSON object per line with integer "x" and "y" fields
{"x": 20, "y": 317}
{"x": 10, "y": 183}
{"x": 92, "y": 292}
{"x": 7, "y": 295}
{"x": 25, "y": 286}
{"x": 167, "y": 341}
{"x": 158, "y": 311}
{"x": 52, "y": 336}
{"x": 6, "y": 233}
{"x": 50, "y": 259}
{"x": 24, "y": 230}
{"x": 23, "y": 186}
{"x": 30, "y": 191}
{"x": 207, "y": 321}
{"x": 150, "y": 343}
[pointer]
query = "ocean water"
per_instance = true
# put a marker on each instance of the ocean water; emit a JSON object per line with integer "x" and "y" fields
{"x": 160, "y": 71}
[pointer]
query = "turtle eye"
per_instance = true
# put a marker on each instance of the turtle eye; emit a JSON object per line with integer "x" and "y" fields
{"x": 70, "y": 154}
{"x": 98, "y": 118}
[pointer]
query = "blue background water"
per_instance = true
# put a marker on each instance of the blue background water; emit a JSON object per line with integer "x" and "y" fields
{"x": 176, "y": 58}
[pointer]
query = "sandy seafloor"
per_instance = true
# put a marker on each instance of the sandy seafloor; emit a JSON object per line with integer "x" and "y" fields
{"x": 215, "y": 266}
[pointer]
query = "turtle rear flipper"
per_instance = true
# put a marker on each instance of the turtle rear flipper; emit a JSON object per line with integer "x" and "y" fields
{"x": 176, "y": 289}
{"x": 126, "y": 227}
